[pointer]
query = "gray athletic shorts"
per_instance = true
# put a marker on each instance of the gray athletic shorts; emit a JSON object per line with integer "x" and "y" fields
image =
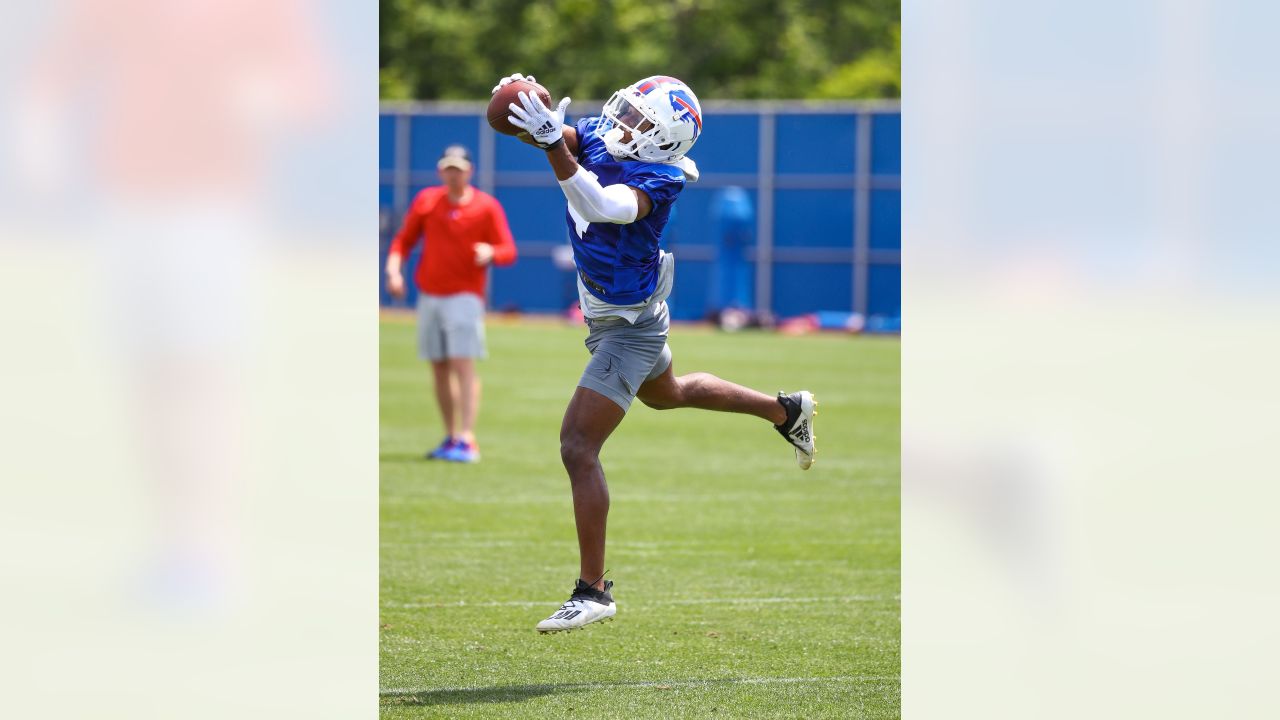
{"x": 625, "y": 355}
{"x": 450, "y": 326}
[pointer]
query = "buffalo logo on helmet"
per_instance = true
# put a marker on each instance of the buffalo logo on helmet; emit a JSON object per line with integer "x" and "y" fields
{"x": 682, "y": 101}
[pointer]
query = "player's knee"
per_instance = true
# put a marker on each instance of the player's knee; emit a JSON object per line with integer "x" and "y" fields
{"x": 669, "y": 397}
{"x": 576, "y": 451}
{"x": 656, "y": 403}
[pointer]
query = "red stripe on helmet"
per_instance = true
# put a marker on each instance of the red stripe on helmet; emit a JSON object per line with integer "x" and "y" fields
{"x": 694, "y": 113}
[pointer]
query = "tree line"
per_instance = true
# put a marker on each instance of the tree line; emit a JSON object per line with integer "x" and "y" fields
{"x": 725, "y": 49}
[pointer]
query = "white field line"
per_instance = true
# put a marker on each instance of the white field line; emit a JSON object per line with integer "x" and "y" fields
{"x": 656, "y": 603}
{"x": 664, "y": 684}
{"x": 631, "y": 547}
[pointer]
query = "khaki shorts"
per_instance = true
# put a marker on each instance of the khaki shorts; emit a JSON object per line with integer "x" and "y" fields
{"x": 450, "y": 326}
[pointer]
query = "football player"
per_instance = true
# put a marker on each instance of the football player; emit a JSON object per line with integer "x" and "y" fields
{"x": 621, "y": 172}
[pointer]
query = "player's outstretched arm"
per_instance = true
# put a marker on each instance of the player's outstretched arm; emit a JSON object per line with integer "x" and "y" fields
{"x": 620, "y": 204}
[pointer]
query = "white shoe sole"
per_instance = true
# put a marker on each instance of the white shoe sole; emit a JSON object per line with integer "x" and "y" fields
{"x": 808, "y": 409}
{"x": 603, "y": 618}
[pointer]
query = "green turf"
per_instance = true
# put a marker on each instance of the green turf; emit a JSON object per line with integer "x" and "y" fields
{"x": 745, "y": 587}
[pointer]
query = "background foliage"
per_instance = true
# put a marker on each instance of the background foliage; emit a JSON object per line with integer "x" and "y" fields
{"x": 456, "y": 49}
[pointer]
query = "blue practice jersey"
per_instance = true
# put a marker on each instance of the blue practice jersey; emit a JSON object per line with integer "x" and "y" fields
{"x": 619, "y": 263}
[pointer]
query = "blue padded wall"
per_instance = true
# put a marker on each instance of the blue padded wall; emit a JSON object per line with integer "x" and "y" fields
{"x": 814, "y": 206}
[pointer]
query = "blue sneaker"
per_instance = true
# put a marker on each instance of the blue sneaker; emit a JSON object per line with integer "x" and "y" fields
{"x": 462, "y": 452}
{"x": 439, "y": 453}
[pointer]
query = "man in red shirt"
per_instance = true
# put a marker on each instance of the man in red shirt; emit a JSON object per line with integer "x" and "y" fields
{"x": 466, "y": 230}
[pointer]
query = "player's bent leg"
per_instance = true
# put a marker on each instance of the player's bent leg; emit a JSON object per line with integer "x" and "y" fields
{"x": 708, "y": 392}
{"x": 791, "y": 414}
{"x": 662, "y": 392}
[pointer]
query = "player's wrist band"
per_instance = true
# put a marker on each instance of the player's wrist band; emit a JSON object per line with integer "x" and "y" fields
{"x": 555, "y": 144}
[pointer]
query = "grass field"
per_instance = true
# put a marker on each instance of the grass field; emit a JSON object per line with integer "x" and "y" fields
{"x": 745, "y": 587}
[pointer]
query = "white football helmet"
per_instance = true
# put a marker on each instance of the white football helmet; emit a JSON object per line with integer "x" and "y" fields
{"x": 662, "y": 116}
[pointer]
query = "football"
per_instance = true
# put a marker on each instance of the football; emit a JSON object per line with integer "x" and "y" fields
{"x": 507, "y": 94}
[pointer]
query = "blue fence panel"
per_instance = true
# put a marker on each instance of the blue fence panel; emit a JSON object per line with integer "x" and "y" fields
{"x": 535, "y": 214}
{"x": 884, "y": 296}
{"x": 533, "y": 284}
{"x": 886, "y": 138}
{"x": 728, "y": 145}
{"x": 694, "y": 217}
{"x": 689, "y": 299}
{"x": 429, "y": 135}
{"x": 812, "y": 287}
{"x": 816, "y": 144}
{"x": 512, "y": 155}
{"x": 886, "y": 220}
{"x": 813, "y": 218}
{"x": 537, "y": 219}
{"x": 386, "y": 142}
{"x": 693, "y": 235}
{"x": 817, "y": 188}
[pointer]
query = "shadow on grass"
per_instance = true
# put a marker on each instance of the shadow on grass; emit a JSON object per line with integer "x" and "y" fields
{"x": 516, "y": 693}
{"x": 468, "y": 696}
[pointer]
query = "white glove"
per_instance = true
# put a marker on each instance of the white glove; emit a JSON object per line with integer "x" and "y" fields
{"x": 545, "y": 126}
{"x": 484, "y": 253}
{"x": 510, "y": 79}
